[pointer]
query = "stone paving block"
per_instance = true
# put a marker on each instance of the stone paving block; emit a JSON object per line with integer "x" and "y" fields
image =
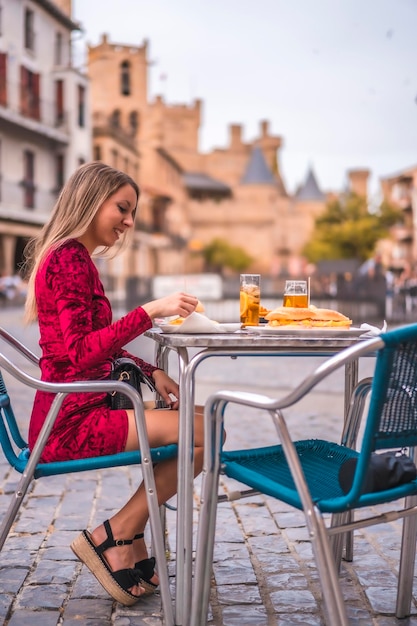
{"x": 15, "y": 558}
{"x": 267, "y": 546}
{"x": 382, "y": 599}
{"x": 11, "y": 579}
{"x": 224, "y": 551}
{"x": 83, "y": 609}
{"x": 48, "y": 571}
{"x": 6, "y": 601}
{"x": 31, "y": 618}
{"x": 229, "y": 594}
{"x": 238, "y": 571}
{"x": 42, "y": 597}
{"x": 253, "y": 616}
{"x": 87, "y": 586}
{"x": 289, "y": 601}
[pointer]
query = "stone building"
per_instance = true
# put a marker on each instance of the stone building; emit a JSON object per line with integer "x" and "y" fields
{"x": 44, "y": 118}
{"x": 189, "y": 198}
{"x": 400, "y": 252}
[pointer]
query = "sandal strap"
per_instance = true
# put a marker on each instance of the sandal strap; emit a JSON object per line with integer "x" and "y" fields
{"x": 111, "y": 542}
{"x": 138, "y": 536}
{"x": 146, "y": 569}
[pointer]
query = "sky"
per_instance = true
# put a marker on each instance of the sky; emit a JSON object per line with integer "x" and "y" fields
{"x": 336, "y": 79}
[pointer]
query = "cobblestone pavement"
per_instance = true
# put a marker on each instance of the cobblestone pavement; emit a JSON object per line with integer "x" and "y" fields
{"x": 263, "y": 568}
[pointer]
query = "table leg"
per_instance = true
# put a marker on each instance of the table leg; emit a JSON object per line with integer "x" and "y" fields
{"x": 183, "y": 569}
{"x": 351, "y": 380}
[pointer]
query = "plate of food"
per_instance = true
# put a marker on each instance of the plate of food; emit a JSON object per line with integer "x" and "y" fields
{"x": 307, "y": 321}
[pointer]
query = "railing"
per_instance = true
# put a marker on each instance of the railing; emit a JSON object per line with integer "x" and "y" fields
{"x": 36, "y": 110}
{"x": 12, "y": 199}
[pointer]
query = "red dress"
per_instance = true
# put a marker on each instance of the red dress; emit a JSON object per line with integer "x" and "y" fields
{"x": 79, "y": 342}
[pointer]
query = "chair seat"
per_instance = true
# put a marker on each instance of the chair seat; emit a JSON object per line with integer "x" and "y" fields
{"x": 99, "y": 462}
{"x": 266, "y": 470}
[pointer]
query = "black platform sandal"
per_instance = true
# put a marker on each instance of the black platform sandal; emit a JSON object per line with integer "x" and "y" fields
{"x": 146, "y": 570}
{"x": 115, "y": 583}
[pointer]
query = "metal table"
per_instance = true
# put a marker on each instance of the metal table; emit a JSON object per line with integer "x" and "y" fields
{"x": 237, "y": 344}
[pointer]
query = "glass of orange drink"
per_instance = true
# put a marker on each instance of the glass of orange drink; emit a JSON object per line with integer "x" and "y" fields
{"x": 250, "y": 299}
{"x": 296, "y": 293}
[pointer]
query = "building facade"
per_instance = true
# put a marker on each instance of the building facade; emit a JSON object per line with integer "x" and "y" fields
{"x": 45, "y": 129}
{"x": 189, "y": 198}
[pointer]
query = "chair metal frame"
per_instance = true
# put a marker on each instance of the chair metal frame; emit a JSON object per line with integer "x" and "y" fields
{"x": 326, "y": 539}
{"x": 17, "y": 453}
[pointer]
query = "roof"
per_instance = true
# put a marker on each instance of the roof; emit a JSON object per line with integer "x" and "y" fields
{"x": 204, "y": 182}
{"x": 58, "y": 14}
{"x": 310, "y": 190}
{"x": 257, "y": 171}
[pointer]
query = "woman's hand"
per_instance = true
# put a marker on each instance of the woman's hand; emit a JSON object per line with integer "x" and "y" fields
{"x": 166, "y": 387}
{"x": 180, "y": 303}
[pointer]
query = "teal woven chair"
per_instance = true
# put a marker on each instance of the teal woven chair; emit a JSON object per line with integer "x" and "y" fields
{"x": 305, "y": 474}
{"x": 27, "y": 464}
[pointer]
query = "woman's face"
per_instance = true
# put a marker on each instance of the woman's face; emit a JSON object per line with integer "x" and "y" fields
{"x": 112, "y": 219}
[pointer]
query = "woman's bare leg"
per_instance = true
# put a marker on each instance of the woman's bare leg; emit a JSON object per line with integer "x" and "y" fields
{"x": 162, "y": 427}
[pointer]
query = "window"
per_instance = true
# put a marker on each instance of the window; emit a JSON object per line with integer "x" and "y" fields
{"x": 81, "y": 106}
{"x": 59, "y": 102}
{"x": 59, "y": 171}
{"x": 29, "y": 32}
{"x": 115, "y": 158}
{"x": 29, "y": 93}
{"x": 58, "y": 49}
{"x": 3, "y": 79}
{"x": 28, "y": 182}
{"x": 125, "y": 78}
{"x": 115, "y": 119}
{"x": 134, "y": 122}
{"x": 97, "y": 153}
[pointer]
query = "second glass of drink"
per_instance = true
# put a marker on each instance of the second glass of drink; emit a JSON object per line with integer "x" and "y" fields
{"x": 296, "y": 293}
{"x": 250, "y": 299}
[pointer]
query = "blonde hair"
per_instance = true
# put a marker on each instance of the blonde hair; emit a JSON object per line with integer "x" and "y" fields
{"x": 80, "y": 199}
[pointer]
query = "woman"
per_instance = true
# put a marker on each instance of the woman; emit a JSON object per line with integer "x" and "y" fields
{"x": 79, "y": 341}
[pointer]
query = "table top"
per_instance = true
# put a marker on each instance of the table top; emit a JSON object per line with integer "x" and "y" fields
{"x": 247, "y": 340}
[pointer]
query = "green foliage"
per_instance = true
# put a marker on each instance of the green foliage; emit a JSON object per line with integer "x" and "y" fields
{"x": 349, "y": 230}
{"x": 219, "y": 254}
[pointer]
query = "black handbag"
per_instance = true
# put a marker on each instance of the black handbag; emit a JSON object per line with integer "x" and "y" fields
{"x": 127, "y": 371}
{"x": 385, "y": 471}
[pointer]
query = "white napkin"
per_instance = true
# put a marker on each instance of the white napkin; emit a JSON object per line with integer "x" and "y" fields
{"x": 373, "y": 331}
{"x": 197, "y": 323}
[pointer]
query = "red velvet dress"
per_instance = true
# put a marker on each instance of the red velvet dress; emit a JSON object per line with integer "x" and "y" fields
{"x": 79, "y": 342}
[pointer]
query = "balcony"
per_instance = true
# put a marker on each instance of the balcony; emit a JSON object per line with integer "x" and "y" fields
{"x": 14, "y": 196}
{"x": 105, "y": 126}
{"x": 38, "y": 116}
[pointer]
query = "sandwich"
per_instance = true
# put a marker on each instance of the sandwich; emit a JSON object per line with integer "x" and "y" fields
{"x": 309, "y": 317}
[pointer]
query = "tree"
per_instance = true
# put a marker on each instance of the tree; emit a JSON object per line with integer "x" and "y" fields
{"x": 219, "y": 254}
{"x": 349, "y": 230}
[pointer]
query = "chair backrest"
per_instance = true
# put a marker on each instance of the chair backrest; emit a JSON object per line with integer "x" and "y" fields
{"x": 392, "y": 418}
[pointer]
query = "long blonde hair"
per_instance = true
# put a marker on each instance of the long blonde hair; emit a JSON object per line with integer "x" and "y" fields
{"x": 80, "y": 199}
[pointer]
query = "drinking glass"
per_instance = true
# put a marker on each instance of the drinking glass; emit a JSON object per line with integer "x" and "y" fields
{"x": 250, "y": 298}
{"x": 296, "y": 293}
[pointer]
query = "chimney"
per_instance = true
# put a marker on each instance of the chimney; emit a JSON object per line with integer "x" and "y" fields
{"x": 235, "y": 136}
{"x": 264, "y": 128}
{"x": 358, "y": 182}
